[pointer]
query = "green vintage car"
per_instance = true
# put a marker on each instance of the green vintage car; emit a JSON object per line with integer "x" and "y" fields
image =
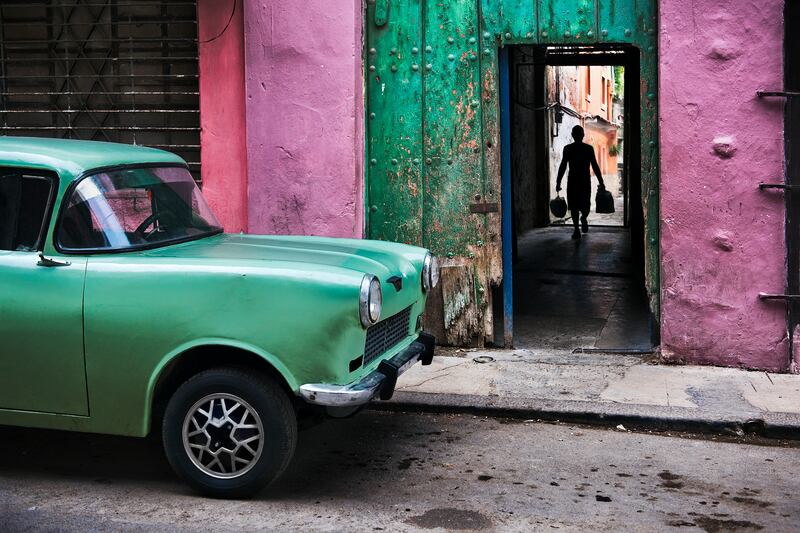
{"x": 125, "y": 308}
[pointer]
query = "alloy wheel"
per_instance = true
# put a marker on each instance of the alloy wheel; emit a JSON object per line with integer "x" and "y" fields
{"x": 223, "y": 435}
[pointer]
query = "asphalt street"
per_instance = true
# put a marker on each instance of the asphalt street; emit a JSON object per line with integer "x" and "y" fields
{"x": 415, "y": 472}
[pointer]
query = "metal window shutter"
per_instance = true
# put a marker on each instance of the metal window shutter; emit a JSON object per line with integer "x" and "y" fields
{"x": 114, "y": 70}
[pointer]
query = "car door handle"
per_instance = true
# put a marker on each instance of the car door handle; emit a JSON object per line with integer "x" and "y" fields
{"x": 47, "y": 262}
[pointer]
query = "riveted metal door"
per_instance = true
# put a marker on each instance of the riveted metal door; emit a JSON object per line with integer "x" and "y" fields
{"x": 433, "y": 133}
{"x": 394, "y": 93}
{"x": 424, "y": 123}
{"x": 566, "y": 18}
{"x": 427, "y": 180}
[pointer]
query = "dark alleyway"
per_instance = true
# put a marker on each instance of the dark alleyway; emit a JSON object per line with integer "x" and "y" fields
{"x": 571, "y": 295}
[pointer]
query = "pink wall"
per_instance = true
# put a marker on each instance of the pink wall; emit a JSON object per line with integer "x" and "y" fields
{"x": 304, "y": 117}
{"x": 722, "y": 241}
{"x": 222, "y": 111}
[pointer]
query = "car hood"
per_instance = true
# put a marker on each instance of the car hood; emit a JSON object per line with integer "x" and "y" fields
{"x": 382, "y": 259}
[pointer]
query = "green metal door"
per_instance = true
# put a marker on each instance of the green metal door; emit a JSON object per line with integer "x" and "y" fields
{"x": 433, "y": 130}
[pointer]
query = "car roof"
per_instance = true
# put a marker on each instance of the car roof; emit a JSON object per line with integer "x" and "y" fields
{"x": 70, "y": 158}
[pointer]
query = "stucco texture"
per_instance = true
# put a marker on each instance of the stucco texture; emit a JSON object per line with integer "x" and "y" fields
{"x": 222, "y": 111}
{"x": 304, "y": 101}
{"x": 722, "y": 240}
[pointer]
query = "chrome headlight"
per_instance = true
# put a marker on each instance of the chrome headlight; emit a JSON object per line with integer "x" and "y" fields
{"x": 430, "y": 272}
{"x": 370, "y": 301}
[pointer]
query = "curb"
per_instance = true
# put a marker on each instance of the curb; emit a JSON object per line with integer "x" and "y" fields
{"x": 784, "y": 426}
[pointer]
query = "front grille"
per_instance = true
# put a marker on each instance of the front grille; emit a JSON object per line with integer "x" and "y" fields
{"x": 386, "y": 334}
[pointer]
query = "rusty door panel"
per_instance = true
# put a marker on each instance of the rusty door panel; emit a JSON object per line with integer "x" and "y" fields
{"x": 394, "y": 121}
{"x": 433, "y": 132}
{"x": 624, "y": 25}
{"x": 488, "y": 254}
{"x": 454, "y": 173}
{"x": 452, "y": 127}
{"x": 515, "y": 20}
{"x": 567, "y": 20}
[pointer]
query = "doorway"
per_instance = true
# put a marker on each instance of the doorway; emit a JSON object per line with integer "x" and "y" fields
{"x": 435, "y": 139}
{"x": 580, "y": 289}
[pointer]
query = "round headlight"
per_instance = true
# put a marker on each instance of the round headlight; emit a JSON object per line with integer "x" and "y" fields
{"x": 430, "y": 272}
{"x": 370, "y": 301}
{"x": 434, "y": 271}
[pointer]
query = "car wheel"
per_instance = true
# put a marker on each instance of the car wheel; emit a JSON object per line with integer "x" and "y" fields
{"x": 228, "y": 432}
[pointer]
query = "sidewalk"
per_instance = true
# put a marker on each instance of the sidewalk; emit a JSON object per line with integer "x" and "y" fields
{"x": 603, "y": 389}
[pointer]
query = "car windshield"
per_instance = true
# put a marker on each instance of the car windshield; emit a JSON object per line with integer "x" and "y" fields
{"x": 135, "y": 208}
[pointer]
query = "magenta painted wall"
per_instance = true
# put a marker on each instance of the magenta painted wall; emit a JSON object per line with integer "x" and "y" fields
{"x": 722, "y": 241}
{"x": 304, "y": 117}
{"x": 222, "y": 110}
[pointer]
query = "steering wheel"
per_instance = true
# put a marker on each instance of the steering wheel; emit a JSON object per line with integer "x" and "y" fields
{"x": 150, "y": 220}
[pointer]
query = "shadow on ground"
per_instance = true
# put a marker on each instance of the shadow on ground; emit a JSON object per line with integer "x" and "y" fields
{"x": 336, "y": 455}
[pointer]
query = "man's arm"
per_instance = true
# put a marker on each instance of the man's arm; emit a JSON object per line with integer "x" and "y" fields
{"x": 561, "y": 169}
{"x": 596, "y": 169}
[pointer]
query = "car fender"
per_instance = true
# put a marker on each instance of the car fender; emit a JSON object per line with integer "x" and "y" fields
{"x": 158, "y": 370}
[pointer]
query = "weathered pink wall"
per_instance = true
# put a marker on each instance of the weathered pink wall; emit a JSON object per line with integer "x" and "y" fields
{"x": 222, "y": 110}
{"x": 304, "y": 117}
{"x": 722, "y": 241}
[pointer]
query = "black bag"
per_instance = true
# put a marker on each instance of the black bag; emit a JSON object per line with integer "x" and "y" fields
{"x": 603, "y": 201}
{"x": 558, "y": 206}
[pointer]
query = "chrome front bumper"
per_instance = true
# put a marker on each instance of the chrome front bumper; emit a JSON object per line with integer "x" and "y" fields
{"x": 380, "y": 382}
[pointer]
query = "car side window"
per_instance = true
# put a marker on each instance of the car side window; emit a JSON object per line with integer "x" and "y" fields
{"x": 24, "y": 201}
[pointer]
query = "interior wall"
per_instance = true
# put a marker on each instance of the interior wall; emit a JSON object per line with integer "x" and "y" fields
{"x": 523, "y": 139}
{"x": 560, "y": 133}
{"x": 529, "y": 157}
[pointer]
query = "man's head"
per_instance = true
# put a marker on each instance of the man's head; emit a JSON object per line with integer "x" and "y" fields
{"x": 577, "y": 133}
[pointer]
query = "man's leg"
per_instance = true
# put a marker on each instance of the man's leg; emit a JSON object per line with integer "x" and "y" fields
{"x": 584, "y": 222}
{"x": 576, "y": 212}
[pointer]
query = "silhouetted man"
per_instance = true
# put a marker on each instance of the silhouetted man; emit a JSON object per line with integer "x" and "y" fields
{"x": 579, "y": 156}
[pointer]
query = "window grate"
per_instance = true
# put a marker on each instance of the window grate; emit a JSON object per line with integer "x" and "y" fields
{"x": 111, "y": 70}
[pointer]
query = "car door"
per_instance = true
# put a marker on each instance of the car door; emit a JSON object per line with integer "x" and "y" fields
{"x": 41, "y": 304}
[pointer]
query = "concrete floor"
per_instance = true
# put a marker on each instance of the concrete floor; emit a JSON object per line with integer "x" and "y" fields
{"x": 415, "y": 473}
{"x": 578, "y": 294}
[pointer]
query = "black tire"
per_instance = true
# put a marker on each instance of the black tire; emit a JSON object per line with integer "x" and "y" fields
{"x": 258, "y": 395}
